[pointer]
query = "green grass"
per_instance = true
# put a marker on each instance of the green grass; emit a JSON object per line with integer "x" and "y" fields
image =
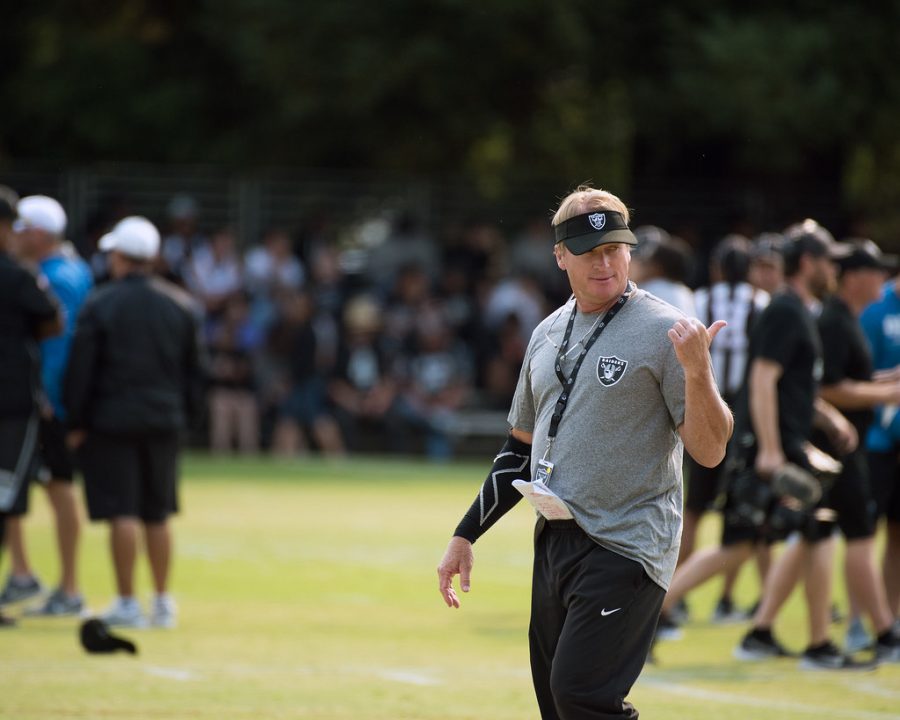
{"x": 308, "y": 590}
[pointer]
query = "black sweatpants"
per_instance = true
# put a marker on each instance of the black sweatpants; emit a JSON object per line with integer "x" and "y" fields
{"x": 593, "y": 616}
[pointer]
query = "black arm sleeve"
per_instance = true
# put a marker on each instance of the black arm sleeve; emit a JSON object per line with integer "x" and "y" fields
{"x": 497, "y": 495}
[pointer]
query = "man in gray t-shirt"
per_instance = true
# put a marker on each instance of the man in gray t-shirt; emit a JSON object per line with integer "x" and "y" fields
{"x": 614, "y": 384}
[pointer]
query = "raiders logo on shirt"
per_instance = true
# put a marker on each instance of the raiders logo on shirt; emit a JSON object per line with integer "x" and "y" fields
{"x": 610, "y": 370}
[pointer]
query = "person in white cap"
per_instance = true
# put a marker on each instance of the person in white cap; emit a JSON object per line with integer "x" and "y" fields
{"x": 41, "y": 242}
{"x": 134, "y": 381}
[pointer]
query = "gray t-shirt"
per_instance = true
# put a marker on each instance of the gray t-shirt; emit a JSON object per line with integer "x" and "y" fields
{"x": 617, "y": 453}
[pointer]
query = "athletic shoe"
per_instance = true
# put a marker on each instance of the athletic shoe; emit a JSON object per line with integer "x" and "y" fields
{"x": 58, "y": 604}
{"x": 20, "y": 589}
{"x": 726, "y": 613}
{"x": 667, "y": 629}
{"x": 828, "y": 657}
{"x": 760, "y": 645}
{"x": 165, "y": 612}
{"x": 125, "y": 612}
{"x": 6, "y": 621}
{"x": 857, "y": 638}
{"x": 888, "y": 650}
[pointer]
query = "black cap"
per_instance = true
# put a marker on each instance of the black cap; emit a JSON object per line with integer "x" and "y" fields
{"x": 96, "y": 637}
{"x": 8, "y": 202}
{"x": 807, "y": 238}
{"x": 767, "y": 246}
{"x": 858, "y": 254}
{"x": 583, "y": 233}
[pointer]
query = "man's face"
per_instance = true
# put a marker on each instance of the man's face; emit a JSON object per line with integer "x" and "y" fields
{"x": 597, "y": 277}
{"x": 118, "y": 265}
{"x": 32, "y": 243}
{"x": 869, "y": 282}
{"x": 766, "y": 274}
{"x": 822, "y": 278}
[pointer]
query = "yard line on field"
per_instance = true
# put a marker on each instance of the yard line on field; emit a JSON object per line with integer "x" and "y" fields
{"x": 727, "y": 698}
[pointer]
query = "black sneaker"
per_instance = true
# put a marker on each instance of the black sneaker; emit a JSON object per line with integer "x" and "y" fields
{"x": 828, "y": 657}
{"x": 760, "y": 645}
{"x": 887, "y": 649}
{"x": 726, "y": 613}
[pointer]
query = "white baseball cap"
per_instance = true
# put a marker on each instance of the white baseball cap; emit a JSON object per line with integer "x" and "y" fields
{"x": 41, "y": 212}
{"x": 134, "y": 236}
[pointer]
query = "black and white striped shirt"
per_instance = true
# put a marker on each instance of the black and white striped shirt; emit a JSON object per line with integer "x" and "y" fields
{"x": 739, "y": 305}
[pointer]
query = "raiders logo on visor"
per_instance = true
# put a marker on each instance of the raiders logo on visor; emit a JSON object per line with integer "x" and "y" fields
{"x": 583, "y": 233}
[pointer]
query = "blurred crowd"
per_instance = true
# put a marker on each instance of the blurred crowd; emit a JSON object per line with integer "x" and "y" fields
{"x": 385, "y": 343}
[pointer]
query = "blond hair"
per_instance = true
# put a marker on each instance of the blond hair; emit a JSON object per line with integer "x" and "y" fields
{"x": 585, "y": 199}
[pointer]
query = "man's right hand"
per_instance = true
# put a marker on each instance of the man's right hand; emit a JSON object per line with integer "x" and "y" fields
{"x": 768, "y": 463}
{"x": 458, "y": 560}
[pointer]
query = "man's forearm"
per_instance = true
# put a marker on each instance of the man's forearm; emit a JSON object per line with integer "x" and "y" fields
{"x": 763, "y": 396}
{"x": 708, "y": 422}
{"x": 859, "y": 394}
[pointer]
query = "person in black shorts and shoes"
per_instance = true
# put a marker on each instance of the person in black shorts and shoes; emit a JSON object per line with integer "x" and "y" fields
{"x": 133, "y": 382}
{"x": 614, "y": 386}
{"x": 847, "y": 384}
{"x": 881, "y": 324}
{"x": 787, "y": 411}
{"x": 28, "y": 314}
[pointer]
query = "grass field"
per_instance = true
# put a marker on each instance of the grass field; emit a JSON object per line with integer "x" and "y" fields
{"x": 307, "y": 589}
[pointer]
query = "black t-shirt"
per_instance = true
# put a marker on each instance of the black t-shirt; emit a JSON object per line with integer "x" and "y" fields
{"x": 786, "y": 334}
{"x": 847, "y": 354}
{"x": 24, "y": 304}
{"x": 135, "y": 365}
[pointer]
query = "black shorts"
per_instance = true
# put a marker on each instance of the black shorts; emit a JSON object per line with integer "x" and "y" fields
{"x": 57, "y": 462}
{"x": 130, "y": 477}
{"x": 851, "y": 497}
{"x": 18, "y": 450}
{"x": 704, "y": 485}
{"x": 884, "y": 474}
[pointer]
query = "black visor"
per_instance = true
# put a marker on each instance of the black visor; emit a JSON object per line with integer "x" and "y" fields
{"x": 583, "y": 233}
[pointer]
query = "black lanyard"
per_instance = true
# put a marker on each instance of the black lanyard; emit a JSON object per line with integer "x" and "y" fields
{"x": 568, "y": 382}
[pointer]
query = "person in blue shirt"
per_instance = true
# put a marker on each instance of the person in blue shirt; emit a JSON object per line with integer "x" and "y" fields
{"x": 881, "y": 324}
{"x": 41, "y": 227}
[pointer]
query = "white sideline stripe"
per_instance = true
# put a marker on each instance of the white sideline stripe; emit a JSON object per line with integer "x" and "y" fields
{"x": 170, "y": 673}
{"x": 727, "y": 698}
{"x": 408, "y": 676}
